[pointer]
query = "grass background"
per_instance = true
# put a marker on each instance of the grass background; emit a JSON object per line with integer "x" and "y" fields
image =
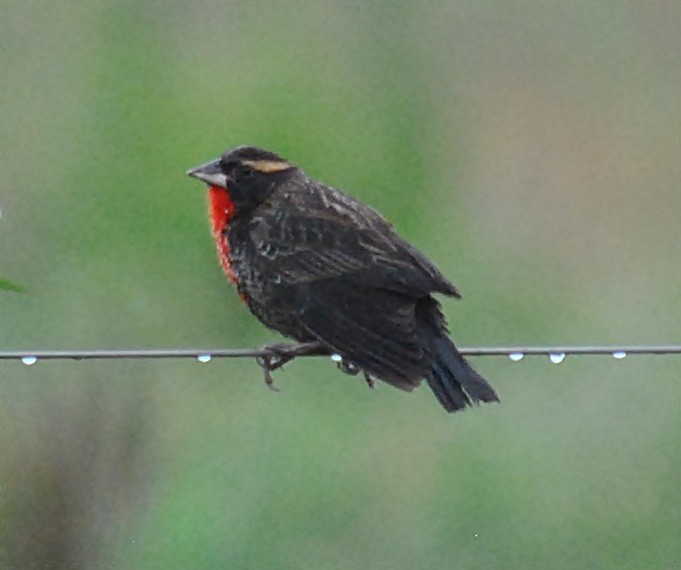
{"x": 531, "y": 148}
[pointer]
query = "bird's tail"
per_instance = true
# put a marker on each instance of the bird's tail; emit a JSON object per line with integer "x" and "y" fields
{"x": 451, "y": 378}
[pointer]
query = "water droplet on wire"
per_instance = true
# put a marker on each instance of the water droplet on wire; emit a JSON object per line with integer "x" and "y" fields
{"x": 516, "y": 356}
{"x": 619, "y": 355}
{"x": 204, "y": 358}
{"x": 557, "y": 357}
{"x": 28, "y": 360}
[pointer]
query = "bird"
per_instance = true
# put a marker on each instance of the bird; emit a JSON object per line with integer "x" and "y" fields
{"x": 324, "y": 269}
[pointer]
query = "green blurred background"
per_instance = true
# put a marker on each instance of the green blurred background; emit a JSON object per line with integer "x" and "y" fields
{"x": 531, "y": 148}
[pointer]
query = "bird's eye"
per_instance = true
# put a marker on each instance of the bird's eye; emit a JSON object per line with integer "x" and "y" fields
{"x": 226, "y": 167}
{"x": 247, "y": 171}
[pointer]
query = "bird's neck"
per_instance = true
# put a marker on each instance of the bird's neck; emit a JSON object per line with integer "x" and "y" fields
{"x": 221, "y": 209}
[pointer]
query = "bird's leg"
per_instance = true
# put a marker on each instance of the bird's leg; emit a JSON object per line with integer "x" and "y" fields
{"x": 347, "y": 367}
{"x": 278, "y": 354}
{"x": 353, "y": 370}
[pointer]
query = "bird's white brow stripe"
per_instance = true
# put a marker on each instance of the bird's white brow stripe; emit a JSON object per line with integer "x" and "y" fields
{"x": 267, "y": 165}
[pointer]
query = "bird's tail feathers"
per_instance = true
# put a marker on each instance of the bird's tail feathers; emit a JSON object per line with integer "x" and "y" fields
{"x": 453, "y": 380}
{"x": 450, "y": 376}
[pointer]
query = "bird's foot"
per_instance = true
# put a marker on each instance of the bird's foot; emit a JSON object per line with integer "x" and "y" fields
{"x": 278, "y": 354}
{"x": 347, "y": 367}
{"x": 353, "y": 370}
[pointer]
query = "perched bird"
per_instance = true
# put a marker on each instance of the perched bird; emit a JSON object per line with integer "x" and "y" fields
{"x": 324, "y": 269}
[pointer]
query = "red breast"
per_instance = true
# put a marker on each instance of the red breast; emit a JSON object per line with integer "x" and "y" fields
{"x": 221, "y": 210}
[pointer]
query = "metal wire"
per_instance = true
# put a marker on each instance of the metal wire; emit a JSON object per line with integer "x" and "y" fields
{"x": 514, "y": 352}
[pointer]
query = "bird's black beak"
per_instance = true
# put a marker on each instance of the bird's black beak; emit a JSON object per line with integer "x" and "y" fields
{"x": 210, "y": 173}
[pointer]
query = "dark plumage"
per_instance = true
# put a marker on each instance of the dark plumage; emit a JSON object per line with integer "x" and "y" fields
{"x": 317, "y": 265}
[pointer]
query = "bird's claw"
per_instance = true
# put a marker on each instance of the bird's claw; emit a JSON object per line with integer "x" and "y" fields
{"x": 274, "y": 356}
{"x": 267, "y": 363}
{"x": 278, "y": 354}
{"x": 347, "y": 367}
{"x": 353, "y": 370}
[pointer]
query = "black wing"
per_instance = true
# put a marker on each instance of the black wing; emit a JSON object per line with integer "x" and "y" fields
{"x": 320, "y": 232}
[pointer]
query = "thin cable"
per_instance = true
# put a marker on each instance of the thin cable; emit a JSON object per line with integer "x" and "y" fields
{"x": 513, "y": 352}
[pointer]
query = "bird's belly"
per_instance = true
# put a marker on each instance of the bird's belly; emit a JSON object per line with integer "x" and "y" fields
{"x": 271, "y": 303}
{"x": 224, "y": 255}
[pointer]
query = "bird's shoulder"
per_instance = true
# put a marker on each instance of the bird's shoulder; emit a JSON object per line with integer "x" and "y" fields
{"x": 306, "y": 214}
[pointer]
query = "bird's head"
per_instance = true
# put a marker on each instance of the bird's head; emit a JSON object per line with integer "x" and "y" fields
{"x": 247, "y": 174}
